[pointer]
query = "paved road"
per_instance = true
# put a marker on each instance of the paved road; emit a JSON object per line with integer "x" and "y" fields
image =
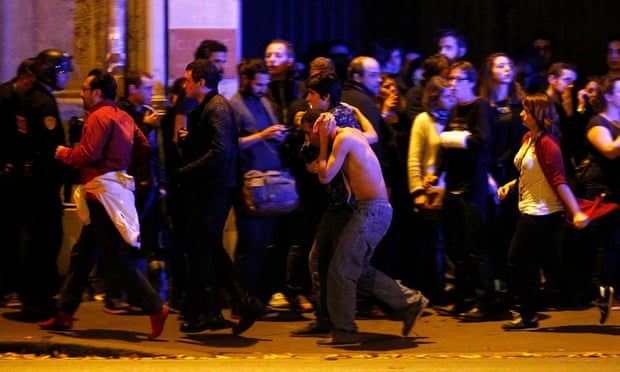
{"x": 314, "y": 364}
{"x": 562, "y": 334}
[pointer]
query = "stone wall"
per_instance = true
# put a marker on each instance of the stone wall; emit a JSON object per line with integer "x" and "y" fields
{"x": 80, "y": 27}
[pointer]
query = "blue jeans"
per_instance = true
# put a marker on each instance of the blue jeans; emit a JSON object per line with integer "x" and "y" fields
{"x": 328, "y": 232}
{"x": 350, "y": 267}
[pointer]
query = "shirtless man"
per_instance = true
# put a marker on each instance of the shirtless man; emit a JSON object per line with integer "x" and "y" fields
{"x": 347, "y": 149}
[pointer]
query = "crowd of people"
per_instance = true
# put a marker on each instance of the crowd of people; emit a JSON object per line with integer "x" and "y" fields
{"x": 469, "y": 184}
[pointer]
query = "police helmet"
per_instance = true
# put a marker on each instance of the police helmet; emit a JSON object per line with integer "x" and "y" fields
{"x": 51, "y": 62}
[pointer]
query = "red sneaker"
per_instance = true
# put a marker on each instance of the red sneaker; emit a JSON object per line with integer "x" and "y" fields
{"x": 60, "y": 322}
{"x": 157, "y": 322}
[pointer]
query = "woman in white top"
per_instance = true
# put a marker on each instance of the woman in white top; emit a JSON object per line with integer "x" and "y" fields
{"x": 543, "y": 195}
{"x": 424, "y": 141}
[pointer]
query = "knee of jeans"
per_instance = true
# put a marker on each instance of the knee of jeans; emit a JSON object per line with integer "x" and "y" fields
{"x": 339, "y": 273}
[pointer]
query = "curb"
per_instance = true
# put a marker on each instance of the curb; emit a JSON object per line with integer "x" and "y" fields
{"x": 62, "y": 350}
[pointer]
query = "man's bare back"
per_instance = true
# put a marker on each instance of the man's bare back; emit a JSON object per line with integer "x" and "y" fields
{"x": 351, "y": 153}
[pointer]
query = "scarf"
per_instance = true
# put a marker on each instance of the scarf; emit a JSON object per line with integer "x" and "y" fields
{"x": 440, "y": 115}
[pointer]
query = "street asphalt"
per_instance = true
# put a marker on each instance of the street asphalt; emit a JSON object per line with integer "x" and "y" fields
{"x": 574, "y": 333}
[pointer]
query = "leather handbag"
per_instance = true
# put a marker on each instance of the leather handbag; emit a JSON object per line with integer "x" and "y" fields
{"x": 432, "y": 208}
{"x": 269, "y": 193}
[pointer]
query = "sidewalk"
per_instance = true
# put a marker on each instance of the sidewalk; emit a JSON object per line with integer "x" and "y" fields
{"x": 562, "y": 333}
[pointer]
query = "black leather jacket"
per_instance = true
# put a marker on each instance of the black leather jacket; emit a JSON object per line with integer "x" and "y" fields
{"x": 210, "y": 150}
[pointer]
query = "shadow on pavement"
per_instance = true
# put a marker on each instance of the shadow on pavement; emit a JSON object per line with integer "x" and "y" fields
{"x": 284, "y": 316}
{"x": 593, "y": 329}
{"x": 219, "y": 340}
{"x": 17, "y": 316}
{"x": 383, "y": 342}
{"x": 104, "y": 334}
{"x": 70, "y": 350}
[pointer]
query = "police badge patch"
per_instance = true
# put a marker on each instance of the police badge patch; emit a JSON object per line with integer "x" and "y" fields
{"x": 50, "y": 122}
{"x": 22, "y": 124}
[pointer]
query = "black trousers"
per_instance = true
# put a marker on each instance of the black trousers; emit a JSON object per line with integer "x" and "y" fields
{"x": 101, "y": 240}
{"x": 534, "y": 243}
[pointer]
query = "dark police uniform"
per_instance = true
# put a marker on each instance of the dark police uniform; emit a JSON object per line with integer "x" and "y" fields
{"x": 12, "y": 145}
{"x": 40, "y": 203}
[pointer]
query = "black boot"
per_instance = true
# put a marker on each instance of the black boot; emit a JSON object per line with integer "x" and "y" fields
{"x": 212, "y": 322}
{"x": 204, "y": 315}
{"x": 251, "y": 309}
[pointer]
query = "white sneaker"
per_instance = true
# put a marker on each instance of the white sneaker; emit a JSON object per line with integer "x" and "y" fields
{"x": 278, "y": 301}
{"x": 12, "y": 301}
{"x": 604, "y": 302}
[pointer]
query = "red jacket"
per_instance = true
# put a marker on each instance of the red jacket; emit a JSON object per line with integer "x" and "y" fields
{"x": 110, "y": 141}
{"x": 549, "y": 156}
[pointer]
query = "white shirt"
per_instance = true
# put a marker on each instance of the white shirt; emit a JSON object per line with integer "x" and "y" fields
{"x": 536, "y": 197}
{"x": 423, "y": 145}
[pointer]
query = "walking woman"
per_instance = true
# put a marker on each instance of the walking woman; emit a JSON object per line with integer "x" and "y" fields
{"x": 498, "y": 85}
{"x": 602, "y": 177}
{"x": 543, "y": 197}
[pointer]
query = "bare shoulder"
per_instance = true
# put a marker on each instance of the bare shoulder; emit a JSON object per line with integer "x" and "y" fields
{"x": 349, "y": 137}
{"x": 352, "y": 134}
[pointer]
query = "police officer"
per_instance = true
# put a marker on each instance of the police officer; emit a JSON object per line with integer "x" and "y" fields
{"x": 40, "y": 183}
{"x": 12, "y": 136}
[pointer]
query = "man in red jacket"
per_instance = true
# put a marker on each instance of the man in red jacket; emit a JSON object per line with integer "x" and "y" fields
{"x": 104, "y": 153}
